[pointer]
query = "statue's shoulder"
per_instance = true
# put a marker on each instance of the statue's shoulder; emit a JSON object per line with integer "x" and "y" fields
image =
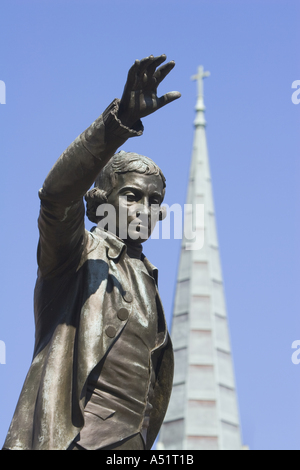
{"x": 93, "y": 246}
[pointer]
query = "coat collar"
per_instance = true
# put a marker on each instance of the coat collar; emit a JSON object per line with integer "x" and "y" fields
{"x": 152, "y": 270}
{"x": 116, "y": 247}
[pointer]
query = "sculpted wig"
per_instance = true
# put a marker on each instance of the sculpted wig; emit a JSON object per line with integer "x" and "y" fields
{"x": 121, "y": 162}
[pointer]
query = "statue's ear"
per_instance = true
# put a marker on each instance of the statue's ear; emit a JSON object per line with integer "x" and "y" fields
{"x": 94, "y": 198}
{"x": 162, "y": 213}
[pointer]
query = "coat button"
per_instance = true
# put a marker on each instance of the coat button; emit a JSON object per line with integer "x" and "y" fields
{"x": 110, "y": 331}
{"x": 127, "y": 296}
{"x": 123, "y": 314}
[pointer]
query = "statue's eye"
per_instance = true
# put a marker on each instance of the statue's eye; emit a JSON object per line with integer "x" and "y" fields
{"x": 130, "y": 197}
{"x": 154, "y": 202}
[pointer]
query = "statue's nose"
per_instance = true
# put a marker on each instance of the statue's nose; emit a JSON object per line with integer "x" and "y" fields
{"x": 143, "y": 213}
{"x": 144, "y": 209}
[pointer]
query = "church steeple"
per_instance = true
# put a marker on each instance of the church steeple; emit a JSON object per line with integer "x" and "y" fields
{"x": 200, "y": 108}
{"x": 203, "y": 412}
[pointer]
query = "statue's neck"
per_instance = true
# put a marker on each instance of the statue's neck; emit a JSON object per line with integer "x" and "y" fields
{"x": 134, "y": 251}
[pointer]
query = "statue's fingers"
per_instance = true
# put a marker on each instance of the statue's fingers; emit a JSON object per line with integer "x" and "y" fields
{"x": 168, "y": 98}
{"x": 144, "y": 64}
{"x": 157, "y": 61}
{"x": 163, "y": 71}
{"x": 131, "y": 77}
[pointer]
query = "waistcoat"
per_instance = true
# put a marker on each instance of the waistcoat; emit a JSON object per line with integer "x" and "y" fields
{"x": 120, "y": 387}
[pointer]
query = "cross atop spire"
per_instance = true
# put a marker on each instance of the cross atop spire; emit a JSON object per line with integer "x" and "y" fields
{"x": 199, "y": 77}
{"x": 200, "y": 108}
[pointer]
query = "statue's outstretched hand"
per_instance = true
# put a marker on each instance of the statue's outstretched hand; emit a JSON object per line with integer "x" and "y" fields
{"x": 140, "y": 93}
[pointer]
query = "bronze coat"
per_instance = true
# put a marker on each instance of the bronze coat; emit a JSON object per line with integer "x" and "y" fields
{"x": 81, "y": 285}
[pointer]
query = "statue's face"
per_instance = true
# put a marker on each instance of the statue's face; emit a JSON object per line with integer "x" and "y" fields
{"x": 136, "y": 198}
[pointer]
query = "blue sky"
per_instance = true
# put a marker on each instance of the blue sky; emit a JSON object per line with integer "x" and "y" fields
{"x": 64, "y": 61}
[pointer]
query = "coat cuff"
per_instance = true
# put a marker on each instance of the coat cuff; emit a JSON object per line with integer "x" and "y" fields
{"x": 114, "y": 127}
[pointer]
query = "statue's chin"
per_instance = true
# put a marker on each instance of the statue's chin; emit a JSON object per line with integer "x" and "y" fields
{"x": 138, "y": 234}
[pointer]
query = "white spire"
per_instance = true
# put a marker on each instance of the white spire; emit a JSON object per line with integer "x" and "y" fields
{"x": 200, "y": 108}
{"x": 203, "y": 412}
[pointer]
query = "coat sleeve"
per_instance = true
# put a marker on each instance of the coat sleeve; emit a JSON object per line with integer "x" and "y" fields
{"x": 61, "y": 219}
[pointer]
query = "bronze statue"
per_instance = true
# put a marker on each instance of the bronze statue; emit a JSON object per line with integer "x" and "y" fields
{"x": 102, "y": 368}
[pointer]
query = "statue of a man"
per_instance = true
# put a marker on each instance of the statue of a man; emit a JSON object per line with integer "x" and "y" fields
{"x": 102, "y": 368}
